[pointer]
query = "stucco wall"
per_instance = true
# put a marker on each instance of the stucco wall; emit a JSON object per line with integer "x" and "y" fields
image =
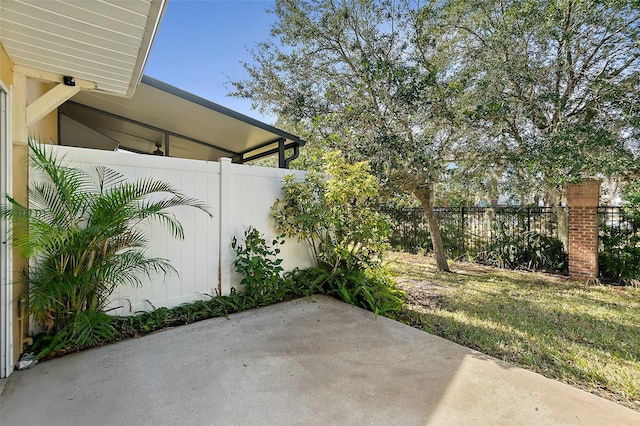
{"x": 6, "y": 68}
{"x": 46, "y": 129}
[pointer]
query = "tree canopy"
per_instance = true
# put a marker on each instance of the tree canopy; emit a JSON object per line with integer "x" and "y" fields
{"x": 541, "y": 91}
{"x": 555, "y": 81}
{"x": 357, "y": 74}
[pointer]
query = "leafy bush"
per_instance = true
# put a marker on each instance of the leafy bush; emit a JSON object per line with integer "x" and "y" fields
{"x": 631, "y": 199}
{"x": 619, "y": 245}
{"x": 410, "y": 232}
{"x": 259, "y": 265}
{"x": 619, "y": 253}
{"x": 335, "y": 214}
{"x": 528, "y": 250}
{"x": 371, "y": 288}
{"x": 80, "y": 233}
{"x": 147, "y": 322}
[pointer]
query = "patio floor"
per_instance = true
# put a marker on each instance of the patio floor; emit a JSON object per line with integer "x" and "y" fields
{"x": 308, "y": 361}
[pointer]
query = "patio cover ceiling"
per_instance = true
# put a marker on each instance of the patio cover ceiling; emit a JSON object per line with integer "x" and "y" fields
{"x": 105, "y": 42}
{"x": 158, "y": 110}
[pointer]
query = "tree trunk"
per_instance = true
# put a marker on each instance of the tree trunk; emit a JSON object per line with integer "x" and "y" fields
{"x": 426, "y": 199}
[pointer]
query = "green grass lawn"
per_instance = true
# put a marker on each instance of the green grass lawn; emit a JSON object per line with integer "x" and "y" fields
{"x": 584, "y": 335}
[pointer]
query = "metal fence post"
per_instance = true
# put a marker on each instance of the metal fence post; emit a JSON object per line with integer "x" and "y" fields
{"x": 462, "y": 234}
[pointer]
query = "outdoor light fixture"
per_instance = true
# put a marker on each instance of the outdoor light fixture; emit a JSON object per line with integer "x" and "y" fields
{"x": 158, "y": 151}
{"x": 68, "y": 80}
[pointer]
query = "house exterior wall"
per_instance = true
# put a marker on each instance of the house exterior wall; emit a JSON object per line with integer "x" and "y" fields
{"x": 8, "y": 351}
{"x": 22, "y": 91}
{"x": 6, "y": 68}
{"x": 238, "y": 196}
{"x": 20, "y": 323}
{"x": 46, "y": 129}
{"x": 6, "y": 76}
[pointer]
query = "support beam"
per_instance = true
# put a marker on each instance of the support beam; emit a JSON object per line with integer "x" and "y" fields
{"x": 51, "y": 77}
{"x": 27, "y": 115}
{"x": 19, "y": 109}
{"x": 241, "y": 158}
{"x": 49, "y": 102}
{"x": 281, "y": 158}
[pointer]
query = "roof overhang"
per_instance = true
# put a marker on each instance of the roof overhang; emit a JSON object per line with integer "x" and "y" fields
{"x": 104, "y": 42}
{"x": 159, "y": 113}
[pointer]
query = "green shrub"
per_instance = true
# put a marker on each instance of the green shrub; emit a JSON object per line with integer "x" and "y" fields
{"x": 631, "y": 199}
{"x": 371, "y": 289}
{"x": 528, "y": 250}
{"x": 620, "y": 245}
{"x": 335, "y": 214}
{"x": 259, "y": 265}
{"x": 619, "y": 253}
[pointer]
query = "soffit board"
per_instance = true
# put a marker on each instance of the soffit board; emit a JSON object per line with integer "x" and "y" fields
{"x": 184, "y": 114}
{"x": 106, "y": 42}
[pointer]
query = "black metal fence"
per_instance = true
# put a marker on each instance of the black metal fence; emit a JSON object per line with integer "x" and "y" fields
{"x": 618, "y": 245}
{"x": 521, "y": 237}
{"x": 478, "y": 232}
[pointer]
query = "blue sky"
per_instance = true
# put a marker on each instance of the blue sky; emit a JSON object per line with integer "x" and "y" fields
{"x": 200, "y": 44}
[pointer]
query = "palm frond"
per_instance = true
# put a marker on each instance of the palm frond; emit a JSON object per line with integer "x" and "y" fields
{"x": 14, "y": 210}
{"x": 130, "y": 265}
{"x": 177, "y": 200}
{"x": 81, "y": 235}
{"x": 87, "y": 328}
{"x": 166, "y": 218}
{"x": 107, "y": 177}
{"x": 132, "y": 239}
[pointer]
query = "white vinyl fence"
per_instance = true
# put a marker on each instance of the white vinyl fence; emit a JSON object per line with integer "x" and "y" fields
{"x": 238, "y": 196}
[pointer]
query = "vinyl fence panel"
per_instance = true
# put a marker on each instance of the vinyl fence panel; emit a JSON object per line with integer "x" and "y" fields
{"x": 238, "y": 196}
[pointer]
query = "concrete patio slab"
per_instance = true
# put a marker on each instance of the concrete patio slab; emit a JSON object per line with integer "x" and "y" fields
{"x": 308, "y": 361}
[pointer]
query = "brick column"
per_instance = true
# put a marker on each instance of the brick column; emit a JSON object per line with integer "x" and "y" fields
{"x": 582, "y": 200}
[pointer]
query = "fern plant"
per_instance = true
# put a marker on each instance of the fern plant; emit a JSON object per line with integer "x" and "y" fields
{"x": 81, "y": 235}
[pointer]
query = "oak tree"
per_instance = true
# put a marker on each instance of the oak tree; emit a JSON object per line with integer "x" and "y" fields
{"x": 357, "y": 73}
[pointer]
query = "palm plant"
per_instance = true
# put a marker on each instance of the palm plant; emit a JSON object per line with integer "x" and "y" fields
{"x": 80, "y": 233}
